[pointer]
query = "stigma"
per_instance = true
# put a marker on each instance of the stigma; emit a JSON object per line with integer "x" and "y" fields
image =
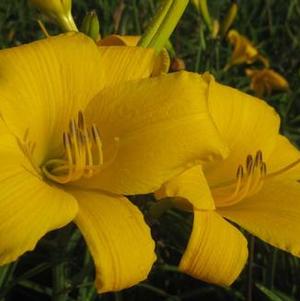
{"x": 83, "y": 154}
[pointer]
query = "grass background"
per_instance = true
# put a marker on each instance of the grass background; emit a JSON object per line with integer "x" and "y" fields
{"x": 273, "y": 25}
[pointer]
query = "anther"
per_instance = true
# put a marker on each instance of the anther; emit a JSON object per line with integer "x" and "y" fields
{"x": 81, "y": 123}
{"x": 263, "y": 169}
{"x": 240, "y": 172}
{"x": 258, "y": 158}
{"x": 249, "y": 163}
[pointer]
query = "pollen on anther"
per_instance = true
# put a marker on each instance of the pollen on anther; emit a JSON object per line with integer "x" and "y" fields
{"x": 263, "y": 169}
{"x": 240, "y": 172}
{"x": 249, "y": 163}
{"x": 258, "y": 158}
{"x": 81, "y": 122}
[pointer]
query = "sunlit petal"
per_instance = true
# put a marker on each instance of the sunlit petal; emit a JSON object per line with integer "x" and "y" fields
{"x": 152, "y": 130}
{"x": 273, "y": 214}
{"x": 118, "y": 238}
{"x": 189, "y": 187}
{"x": 216, "y": 252}
{"x": 43, "y": 84}
{"x": 247, "y": 124}
{"x": 29, "y": 207}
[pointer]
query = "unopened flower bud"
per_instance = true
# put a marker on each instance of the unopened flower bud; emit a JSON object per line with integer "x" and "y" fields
{"x": 229, "y": 19}
{"x": 91, "y": 26}
{"x": 59, "y": 11}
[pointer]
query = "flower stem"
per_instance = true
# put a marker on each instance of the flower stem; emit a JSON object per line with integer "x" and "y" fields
{"x": 163, "y": 24}
{"x": 66, "y": 23}
{"x": 59, "y": 283}
{"x": 205, "y": 13}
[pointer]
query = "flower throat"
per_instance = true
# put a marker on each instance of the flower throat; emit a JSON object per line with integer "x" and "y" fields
{"x": 83, "y": 154}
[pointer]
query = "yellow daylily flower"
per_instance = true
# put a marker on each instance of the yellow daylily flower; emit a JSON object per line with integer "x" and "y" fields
{"x": 80, "y": 127}
{"x": 244, "y": 51}
{"x": 256, "y": 186}
{"x": 264, "y": 81}
{"x": 59, "y": 11}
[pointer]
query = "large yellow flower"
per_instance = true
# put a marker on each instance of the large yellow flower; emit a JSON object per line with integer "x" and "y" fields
{"x": 81, "y": 126}
{"x": 256, "y": 186}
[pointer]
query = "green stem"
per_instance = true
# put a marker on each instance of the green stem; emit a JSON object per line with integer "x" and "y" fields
{"x": 250, "y": 269}
{"x": 163, "y": 24}
{"x": 59, "y": 283}
{"x": 4, "y": 270}
{"x": 6, "y": 279}
{"x": 66, "y": 23}
{"x": 205, "y": 13}
{"x": 136, "y": 18}
{"x": 155, "y": 23}
{"x": 59, "y": 276}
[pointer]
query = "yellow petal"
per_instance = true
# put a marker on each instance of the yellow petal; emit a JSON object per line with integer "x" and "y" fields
{"x": 43, "y": 84}
{"x": 189, "y": 186}
{"x": 159, "y": 124}
{"x": 247, "y": 124}
{"x": 126, "y": 63}
{"x": 118, "y": 40}
{"x": 118, "y": 238}
{"x": 216, "y": 252}
{"x": 283, "y": 155}
{"x": 273, "y": 214}
{"x": 29, "y": 207}
{"x": 162, "y": 60}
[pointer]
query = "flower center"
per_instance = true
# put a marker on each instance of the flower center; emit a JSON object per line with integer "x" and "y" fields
{"x": 249, "y": 180}
{"x": 83, "y": 154}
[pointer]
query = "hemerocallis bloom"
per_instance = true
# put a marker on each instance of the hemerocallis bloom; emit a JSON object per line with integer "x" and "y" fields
{"x": 256, "y": 186}
{"x": 244, "y": 52}
{"x": 80, "y": 127}
{"x": 264, "y": 81}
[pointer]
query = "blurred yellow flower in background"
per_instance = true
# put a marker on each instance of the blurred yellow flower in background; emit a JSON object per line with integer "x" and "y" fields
{"x": 256, "y": 186}
{"x": 244, "y": 52}
{"x": 264, "y": 81}
{"x": 80, "y": 127}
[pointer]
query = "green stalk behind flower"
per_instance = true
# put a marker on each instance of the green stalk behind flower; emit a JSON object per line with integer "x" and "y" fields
{"x": 163, "y": 24}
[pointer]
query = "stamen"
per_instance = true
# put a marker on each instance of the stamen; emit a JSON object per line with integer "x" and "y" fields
{"x": 245, "y": 185}
{"x": 83, "y": 155}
